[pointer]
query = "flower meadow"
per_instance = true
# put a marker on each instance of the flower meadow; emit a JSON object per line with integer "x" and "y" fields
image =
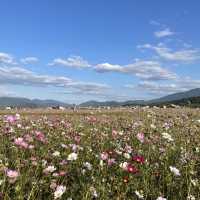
{"x": 141, "y": 153}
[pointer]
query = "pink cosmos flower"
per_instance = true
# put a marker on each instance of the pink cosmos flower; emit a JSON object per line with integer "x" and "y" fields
{"x": 21, "y": 143}
{"x": 28, "y": 138}
{"x": 12, "y": 175}
{"x": 104, "y": 156}
{"x": 140, "y": 137}
{"x": 62, "y": 173}
{"x": 111, "y": 161}
{"x": 11, "y": 118}
{"x": 128, "y": 149}
{"x": 40, "y": 136}
{"x": 31, "y": 146}
{"x": 77, "y": 139}
{"x": 114, "y": 133}
{"x": 91, "y": 119}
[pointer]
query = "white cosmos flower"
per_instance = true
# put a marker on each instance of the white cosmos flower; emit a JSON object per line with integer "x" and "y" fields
{"x": 153, "y": 126}
{"x": 50, "y": 169}
{"x": 191, "y": 197}
{"x": 72, "y": 156}
{"x": 194, "y": 182}
{"x": 59, "y": 191}
{"x": 87, "y": 165}
{"x": 94, "y": 192}
{"x": 161, "y": 198}
{"x": 124, "y": 165}
{"x": 175, "y": 171}
{"x": 56, "y": 154}
{"x": 127, "y": 155}
{"x": 139, "y": 194}
{"x": 168, "y": 137}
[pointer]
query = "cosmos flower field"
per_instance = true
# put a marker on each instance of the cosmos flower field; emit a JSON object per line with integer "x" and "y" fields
{"x": 142, "y": 153}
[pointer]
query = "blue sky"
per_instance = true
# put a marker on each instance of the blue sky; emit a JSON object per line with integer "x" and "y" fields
{"x": 74, "y": 50}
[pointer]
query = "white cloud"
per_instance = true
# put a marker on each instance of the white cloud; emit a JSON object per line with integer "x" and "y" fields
{"x": 21, "y": 76}
{"x": 183, "y": 55}
{"x": 73, "y": 61}
{"x": 29, "y": 60}
{"x": 6, "y": 58}
{"x": 107, "y": 67}
{"x": 4, "y": 92}
{"x": 155, "y": 88}
{"x": 179, "y": 85}
{"x": 150, "y": 70}
{"x": 88, "y": 86}
{"x": 163, "y": 33}
{"x": 155, "y": 23}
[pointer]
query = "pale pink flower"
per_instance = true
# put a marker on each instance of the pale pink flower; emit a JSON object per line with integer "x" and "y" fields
{"x": 140, "y": 137}
{"x": 40, "y": 136}
{"x": 111, "y": 161}
{"x": 77, "y": 139}
{"x": 11, "y": 118}
{"x": 28, "y": 138}
{"x": 104, "y": 156}
{"x": 20, "y": 142}
{"x": 49, "y": 169}
{"x": 60, "y": 189}
{"x": 12, "y": 175}
{"x": 31, "y": 146}
{"x": 114, "y": 133}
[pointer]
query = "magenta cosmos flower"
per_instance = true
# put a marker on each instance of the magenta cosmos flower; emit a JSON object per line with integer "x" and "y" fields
{"x": 139, "y": 159}
{"x": 132, "y": 169}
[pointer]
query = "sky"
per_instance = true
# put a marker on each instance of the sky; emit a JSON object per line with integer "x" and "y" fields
{"x": 74, "y": 50}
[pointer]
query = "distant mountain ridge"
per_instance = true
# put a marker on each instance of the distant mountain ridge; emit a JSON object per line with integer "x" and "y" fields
{"x": 25, "y": 102}
{"x": 169, "y": 98}
{"x": 111, "y": 103}
{"x": 34, "y": 103}
{"x": 191, "y": 102}
{"x": 178, "y": 96}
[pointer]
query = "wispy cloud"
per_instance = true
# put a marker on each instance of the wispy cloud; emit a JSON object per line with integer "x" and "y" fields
{"x": 73, "y": 61}
{"x": 29, "y": 60}
{"x": 164, "y": 33}
{"x": 155, "y": 23}
{"x": 183, "y": 55}
{"x": 155, "y": 88}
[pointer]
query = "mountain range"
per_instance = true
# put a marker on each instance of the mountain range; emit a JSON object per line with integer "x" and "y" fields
{"x": 176, "y": 98}
{"x": 166, "y": 99}
{"x": 25, "y": 102}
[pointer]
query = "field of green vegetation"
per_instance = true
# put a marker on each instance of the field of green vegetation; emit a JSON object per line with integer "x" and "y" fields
{"x": 143, "y": 153}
